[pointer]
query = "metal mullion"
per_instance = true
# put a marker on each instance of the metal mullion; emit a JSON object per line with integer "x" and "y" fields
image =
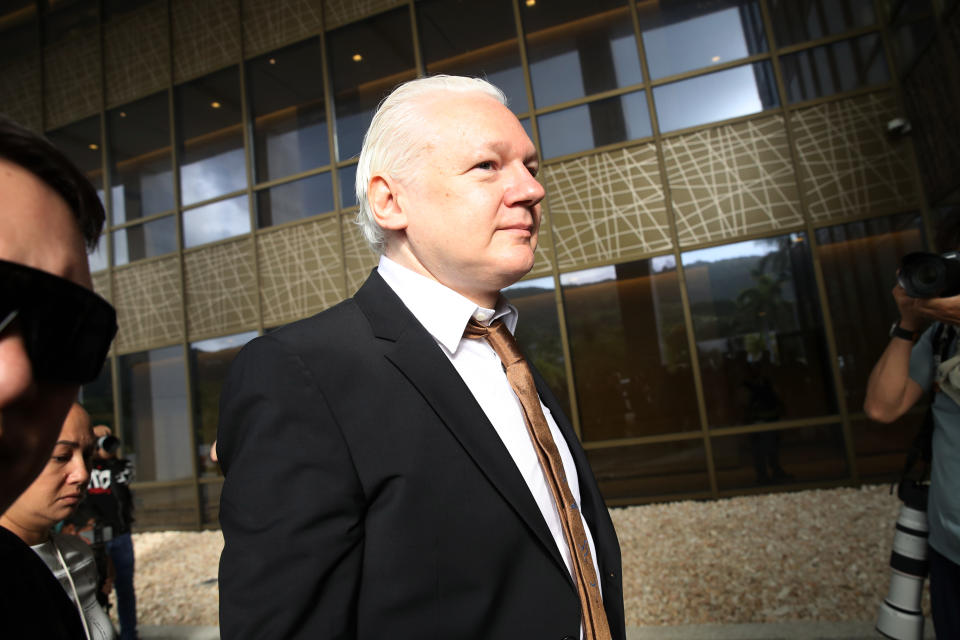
{"x": 275, "y": 182}
{"x": 828, "y": 329}
{"x": 614, "y": 443}
{"x": 704, "y": 71}
{"x": 215, "y": 199}
{"x": 144, "y": 220}
{"x": 418, "y": 63}
{"x": 677, "y": 255}
{"x": 593, "y": 97}
{"x": 825, "y": 40}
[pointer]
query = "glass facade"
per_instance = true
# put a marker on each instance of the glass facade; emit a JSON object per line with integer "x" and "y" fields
{"x": 723, "y": 217}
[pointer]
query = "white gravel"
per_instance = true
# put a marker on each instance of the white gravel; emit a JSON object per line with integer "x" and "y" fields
{"x": 811, "y": 555}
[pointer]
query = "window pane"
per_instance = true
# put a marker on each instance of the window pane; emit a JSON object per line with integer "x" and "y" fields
{"x": 716, "y": 96}
{"x": 631, "y": 364}
{"x": 97, "y": 398}
{"x": 156, "y": 426}
{"x": 367, "y": 59}
{"x": 474, "y": 38}
{"x": 209, "y": 362}
{"x": 538, "y": 332}
{"x": 289, "y": 119}
{"x": 879, "y": 448}
{"x": 210, "y": 137}
{"x": 165, "y": 507}
{"x": 295, "y": 200}
{"x": 859, "y": 261}
{"x": 911, "y": 39}
{"x": 348, "y": 192}
{"x": 683, "y": 37}
{"x": 759, "y": 331}
{"x": 841, "y": 66}
{"x": 80, "y": 142}
{"x": 216, "y": 221}
{"x": 659, "y": 469}
{"x": 98, "y": 257}
{"x": 795, "y": 21}
{"x": 808, "y": 454}
{"x": 147, "y": 240}
{"x": 141, "y": 171}
{"x": 595, "y": 124}
{"x": 576, "y": 48}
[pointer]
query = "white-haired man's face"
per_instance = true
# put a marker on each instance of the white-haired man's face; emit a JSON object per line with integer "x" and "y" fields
{"x": 468, "y": 215}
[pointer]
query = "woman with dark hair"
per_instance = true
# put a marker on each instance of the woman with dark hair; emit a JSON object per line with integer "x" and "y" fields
{"x": 54, "y": 496}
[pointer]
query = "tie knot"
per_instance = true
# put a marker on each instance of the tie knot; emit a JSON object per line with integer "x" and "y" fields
{"x": 498, "y": 337}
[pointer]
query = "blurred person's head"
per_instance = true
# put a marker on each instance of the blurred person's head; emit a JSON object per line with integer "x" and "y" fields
{"x": 947, "y": 231}
{"x": 56, "y": 493}
{"x": 54, "y": 331}
{"x": 107, "y": 443}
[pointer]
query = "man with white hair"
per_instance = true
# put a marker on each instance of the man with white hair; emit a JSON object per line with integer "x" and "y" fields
{"x": 393, "y": 466}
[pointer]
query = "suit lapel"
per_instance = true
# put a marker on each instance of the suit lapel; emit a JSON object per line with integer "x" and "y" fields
{"x": 416, "y": 354}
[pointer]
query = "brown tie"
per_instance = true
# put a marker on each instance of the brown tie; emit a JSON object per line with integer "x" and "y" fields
{"x": 518, "y": 374}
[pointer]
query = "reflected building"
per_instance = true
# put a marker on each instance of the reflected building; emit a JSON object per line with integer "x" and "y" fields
{"x": 725, "y": 208}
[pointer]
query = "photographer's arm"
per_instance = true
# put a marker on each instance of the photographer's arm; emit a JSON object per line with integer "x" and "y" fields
{"x": 942, "y": 309}
{"x": 890, "y": 391}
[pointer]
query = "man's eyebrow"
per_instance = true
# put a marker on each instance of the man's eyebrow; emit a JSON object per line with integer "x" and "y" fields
{"x": 69, "y": 443}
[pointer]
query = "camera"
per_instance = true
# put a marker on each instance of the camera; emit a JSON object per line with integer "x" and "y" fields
{"x": 109, "y": 444}
{"x": 927, "y": 275}
{"x": 900, "y": 616}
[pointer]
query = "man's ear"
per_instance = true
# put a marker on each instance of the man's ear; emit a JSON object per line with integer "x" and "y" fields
{"x": 383, "y": 195}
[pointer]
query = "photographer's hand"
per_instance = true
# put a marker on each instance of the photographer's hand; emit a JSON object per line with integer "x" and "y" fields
{"x": 942, "y": 309}
{"x": 912, "y": 315}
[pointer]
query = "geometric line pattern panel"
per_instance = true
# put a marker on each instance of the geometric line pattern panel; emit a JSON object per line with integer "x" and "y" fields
{"x": 20, "y": 91}
{"x": 732, "y": 180}
{"x": 148, "y": 305}
{"x": 607, "y": 207}
{"x": 101, "y": 284}
{"x": 72, "y": 78}
{"x": 221, "y": 289}
{"x": 270, "y": 24}
{"x": 206, "y": 37}
{"x": 849, "y": 167}
{"x": 301, "y": 270}
{"x": 359, "y": 258}
{"x": 137, "y": 58}
{"x": 338, "y": 12}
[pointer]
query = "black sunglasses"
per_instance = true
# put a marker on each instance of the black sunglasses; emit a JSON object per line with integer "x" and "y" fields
{"x": 67, "y": 329}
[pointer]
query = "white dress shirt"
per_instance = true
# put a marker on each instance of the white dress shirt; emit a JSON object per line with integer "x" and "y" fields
{"x": 444, "y": 313}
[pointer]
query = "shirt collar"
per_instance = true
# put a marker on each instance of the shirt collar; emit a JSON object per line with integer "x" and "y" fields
{"x": 443, "y": 312}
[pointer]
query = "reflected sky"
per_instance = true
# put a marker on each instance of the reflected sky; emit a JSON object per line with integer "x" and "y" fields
{"x": 730, "y": 251}
{"x": 733, "y": 92}
{"x": 216, "y": 221}
{"x": 226, "y": 342}
{"x": 213, "y": 176}
{"x": 706, "y": 40}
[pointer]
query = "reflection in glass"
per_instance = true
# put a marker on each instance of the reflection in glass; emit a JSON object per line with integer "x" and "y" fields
{"x": 577, "y": 49}
{"x": 212, "y": 222}
{"x": 841, "y": 66}
{"x": 367, "y": 60}
{"x": 474, "y": 38}
{"x": 295, "y": 200}
{"x": 716, "y": 96}
{"x": 97, "y": 397}
{"x": 911, "y": 39}
{"x": 538, "y": 332}
{"x": 683, "y": 37}
{"x": 879, "y": 448}
{"x": 759, "y": 332}
{"x": 859, "y": 260}
{"x": 763, "y": 458}
{"x": 80, "y": 142}
{"x": 629, "y": 349}
{"x": 210, "y": 136}
{"x": 147, "y": 240}
{"x": 166, "y": 506}
{"x": 153, "y": 405}
{"x": 656, "y": 469}
{"x": 98, "y": 257}
{"x": 209, "y": 362}
{"x": 141, "y": 170}
{"x": 595, "y": 124}
{"x": 795, "y": 22}
{"x": 289, "y": 119}
{"x": 347, "y": 177}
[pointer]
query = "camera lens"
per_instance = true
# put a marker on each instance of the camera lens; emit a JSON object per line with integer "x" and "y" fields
{"x": 900, "y": 615}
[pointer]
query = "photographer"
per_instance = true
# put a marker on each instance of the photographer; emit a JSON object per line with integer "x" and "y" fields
{"x": 917, "y": 359}
{"x": 111, "y": 501}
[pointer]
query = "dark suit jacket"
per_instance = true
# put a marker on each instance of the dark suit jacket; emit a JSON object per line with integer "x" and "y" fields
{"x": 368, "y": 496}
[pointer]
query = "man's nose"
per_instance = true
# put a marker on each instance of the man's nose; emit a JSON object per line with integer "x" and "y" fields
{"x": 525, "y": 189}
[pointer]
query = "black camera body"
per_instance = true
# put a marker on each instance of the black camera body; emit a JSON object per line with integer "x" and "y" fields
{"x": 109, "y": 444}
{"x": 927, "y": 275}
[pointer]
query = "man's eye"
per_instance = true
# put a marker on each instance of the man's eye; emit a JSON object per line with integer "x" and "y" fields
{"x": 533, "y": 171}
{"x": 486, "y": 165}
